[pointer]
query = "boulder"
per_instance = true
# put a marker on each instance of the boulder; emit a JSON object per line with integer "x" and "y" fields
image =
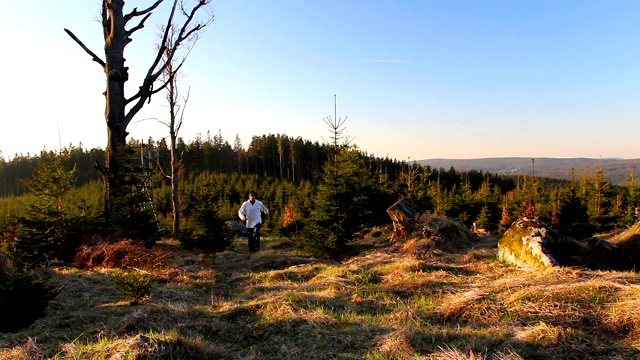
{"x": 531, "y": 243}
{"x": 237, "y": 227}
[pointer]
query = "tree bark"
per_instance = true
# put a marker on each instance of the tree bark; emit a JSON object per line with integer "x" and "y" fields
{"x": 403, "y": 218}
{"x": 175, "y": 186}
{"x": 116, "y": 40}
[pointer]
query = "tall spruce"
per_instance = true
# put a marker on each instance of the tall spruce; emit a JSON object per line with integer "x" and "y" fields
{"x": 341, "y": 204}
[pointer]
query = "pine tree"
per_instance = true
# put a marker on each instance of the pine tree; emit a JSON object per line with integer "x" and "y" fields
{"x": 49, "y": 228}
{"x": 207, "y": 231}
{"x": 598, "y": 194}
{"x": 573, "y": 218}
{"x": 484, "y": 221}
{"x": 342, "y": 205}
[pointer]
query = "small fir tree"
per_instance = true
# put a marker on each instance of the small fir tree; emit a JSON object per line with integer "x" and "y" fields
{"x": 572, "y": 218}
{"x": 341, "y": 206}
{"x": 136, "y": 288}
{"x": 206, "y": 232}
{"x": 484, "y": 221}
{"x": 50, "y": 229}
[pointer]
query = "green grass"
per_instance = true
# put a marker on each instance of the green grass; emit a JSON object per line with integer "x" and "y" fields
{"x": 382, "y": 304}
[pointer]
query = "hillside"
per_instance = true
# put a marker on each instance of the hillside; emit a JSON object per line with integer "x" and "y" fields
{"x": 392, "y": 301}
{"x": 616, "y": 170}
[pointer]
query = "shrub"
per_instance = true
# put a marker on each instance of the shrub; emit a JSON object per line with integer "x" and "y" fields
{"x": 122, "y": 254}
{"x": 51, "y": 225}
{"x": 133, "y": 218}
{"x": 206, "y": 230}
{"x": 24, "y": 297}
{"x": 208, "y": 234}
{"x": 136, "y": 288}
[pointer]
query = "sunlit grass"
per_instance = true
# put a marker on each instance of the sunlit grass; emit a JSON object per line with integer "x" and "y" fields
{"x": 279, "y": 304}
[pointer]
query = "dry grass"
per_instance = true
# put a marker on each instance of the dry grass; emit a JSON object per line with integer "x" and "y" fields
{"x": 121, "y": 254}
{"x": 390, "y": 302}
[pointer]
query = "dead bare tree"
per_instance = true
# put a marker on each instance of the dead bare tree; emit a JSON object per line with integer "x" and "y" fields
{"x": 120, "y": 109}
{"x": 177, "y": 104}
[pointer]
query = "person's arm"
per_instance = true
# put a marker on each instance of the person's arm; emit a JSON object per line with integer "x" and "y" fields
{"x": 242, "y": 213}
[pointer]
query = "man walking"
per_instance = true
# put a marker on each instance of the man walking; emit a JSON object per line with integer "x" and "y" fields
{"x": 251, "y": 212}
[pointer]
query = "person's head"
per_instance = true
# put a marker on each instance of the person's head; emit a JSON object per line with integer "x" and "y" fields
{"x": 252, "y": 194}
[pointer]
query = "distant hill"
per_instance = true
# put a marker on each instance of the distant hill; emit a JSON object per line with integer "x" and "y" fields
{"x": 616, "y": 170}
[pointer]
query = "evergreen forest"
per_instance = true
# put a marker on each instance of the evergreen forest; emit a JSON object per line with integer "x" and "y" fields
{"x": 290, "y": 175}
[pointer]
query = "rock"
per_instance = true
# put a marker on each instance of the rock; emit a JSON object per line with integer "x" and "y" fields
{"x": 237, "y": 227}
{"x": 531, "y": 243}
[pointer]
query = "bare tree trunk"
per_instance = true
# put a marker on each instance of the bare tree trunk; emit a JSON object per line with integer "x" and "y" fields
{"x": 403, "y": 218}
{"x": 175, "y": 188}
{"x": 116, "y": 37}
{"x": 115, "y": 105}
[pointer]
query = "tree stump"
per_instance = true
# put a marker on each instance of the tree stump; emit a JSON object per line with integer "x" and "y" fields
{"x": 403, "y": 218}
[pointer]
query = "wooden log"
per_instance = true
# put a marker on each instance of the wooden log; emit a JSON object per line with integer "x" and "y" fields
{"x": 403, "y": 218}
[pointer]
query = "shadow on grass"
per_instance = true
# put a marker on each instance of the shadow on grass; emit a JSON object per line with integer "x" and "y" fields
{"x": 270, "y": 305}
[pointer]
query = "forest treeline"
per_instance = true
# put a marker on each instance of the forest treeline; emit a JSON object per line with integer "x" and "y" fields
{"x": 278, "y": 156}
{"x": 285, "y": 170}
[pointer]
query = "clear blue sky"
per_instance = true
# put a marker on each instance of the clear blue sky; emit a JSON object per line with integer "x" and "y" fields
{"x": 417, "y": 79}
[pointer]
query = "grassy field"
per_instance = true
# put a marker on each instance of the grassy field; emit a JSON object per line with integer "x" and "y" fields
{"x": 390, "y": 301}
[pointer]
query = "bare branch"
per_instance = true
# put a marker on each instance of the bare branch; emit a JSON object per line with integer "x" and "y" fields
{"x": 181, "y": 120}
{"x": 146, "y": 90}
{"x": 135, "y": 11}
{"x": 152, "y": 91}
{"x": 163, "y": 44}
{"x": 166, "y": 52}
{"x": 161, "y": 122}
{"x": 100, "y": 168}
{"x": 159, "y": 166}
{"x": 86, "y": 49}
{"x": 139, "y": 26}
{"x": 183, "y": 35}
{"x": 170, "y": 78}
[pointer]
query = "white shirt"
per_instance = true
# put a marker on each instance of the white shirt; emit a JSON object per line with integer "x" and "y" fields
{"x": 251, "y": 212}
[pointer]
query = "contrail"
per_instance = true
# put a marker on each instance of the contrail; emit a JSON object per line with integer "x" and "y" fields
{"x": 387, "y": 61}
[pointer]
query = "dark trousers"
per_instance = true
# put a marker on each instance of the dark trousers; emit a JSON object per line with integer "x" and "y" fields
{"x": 254, "y": 237}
